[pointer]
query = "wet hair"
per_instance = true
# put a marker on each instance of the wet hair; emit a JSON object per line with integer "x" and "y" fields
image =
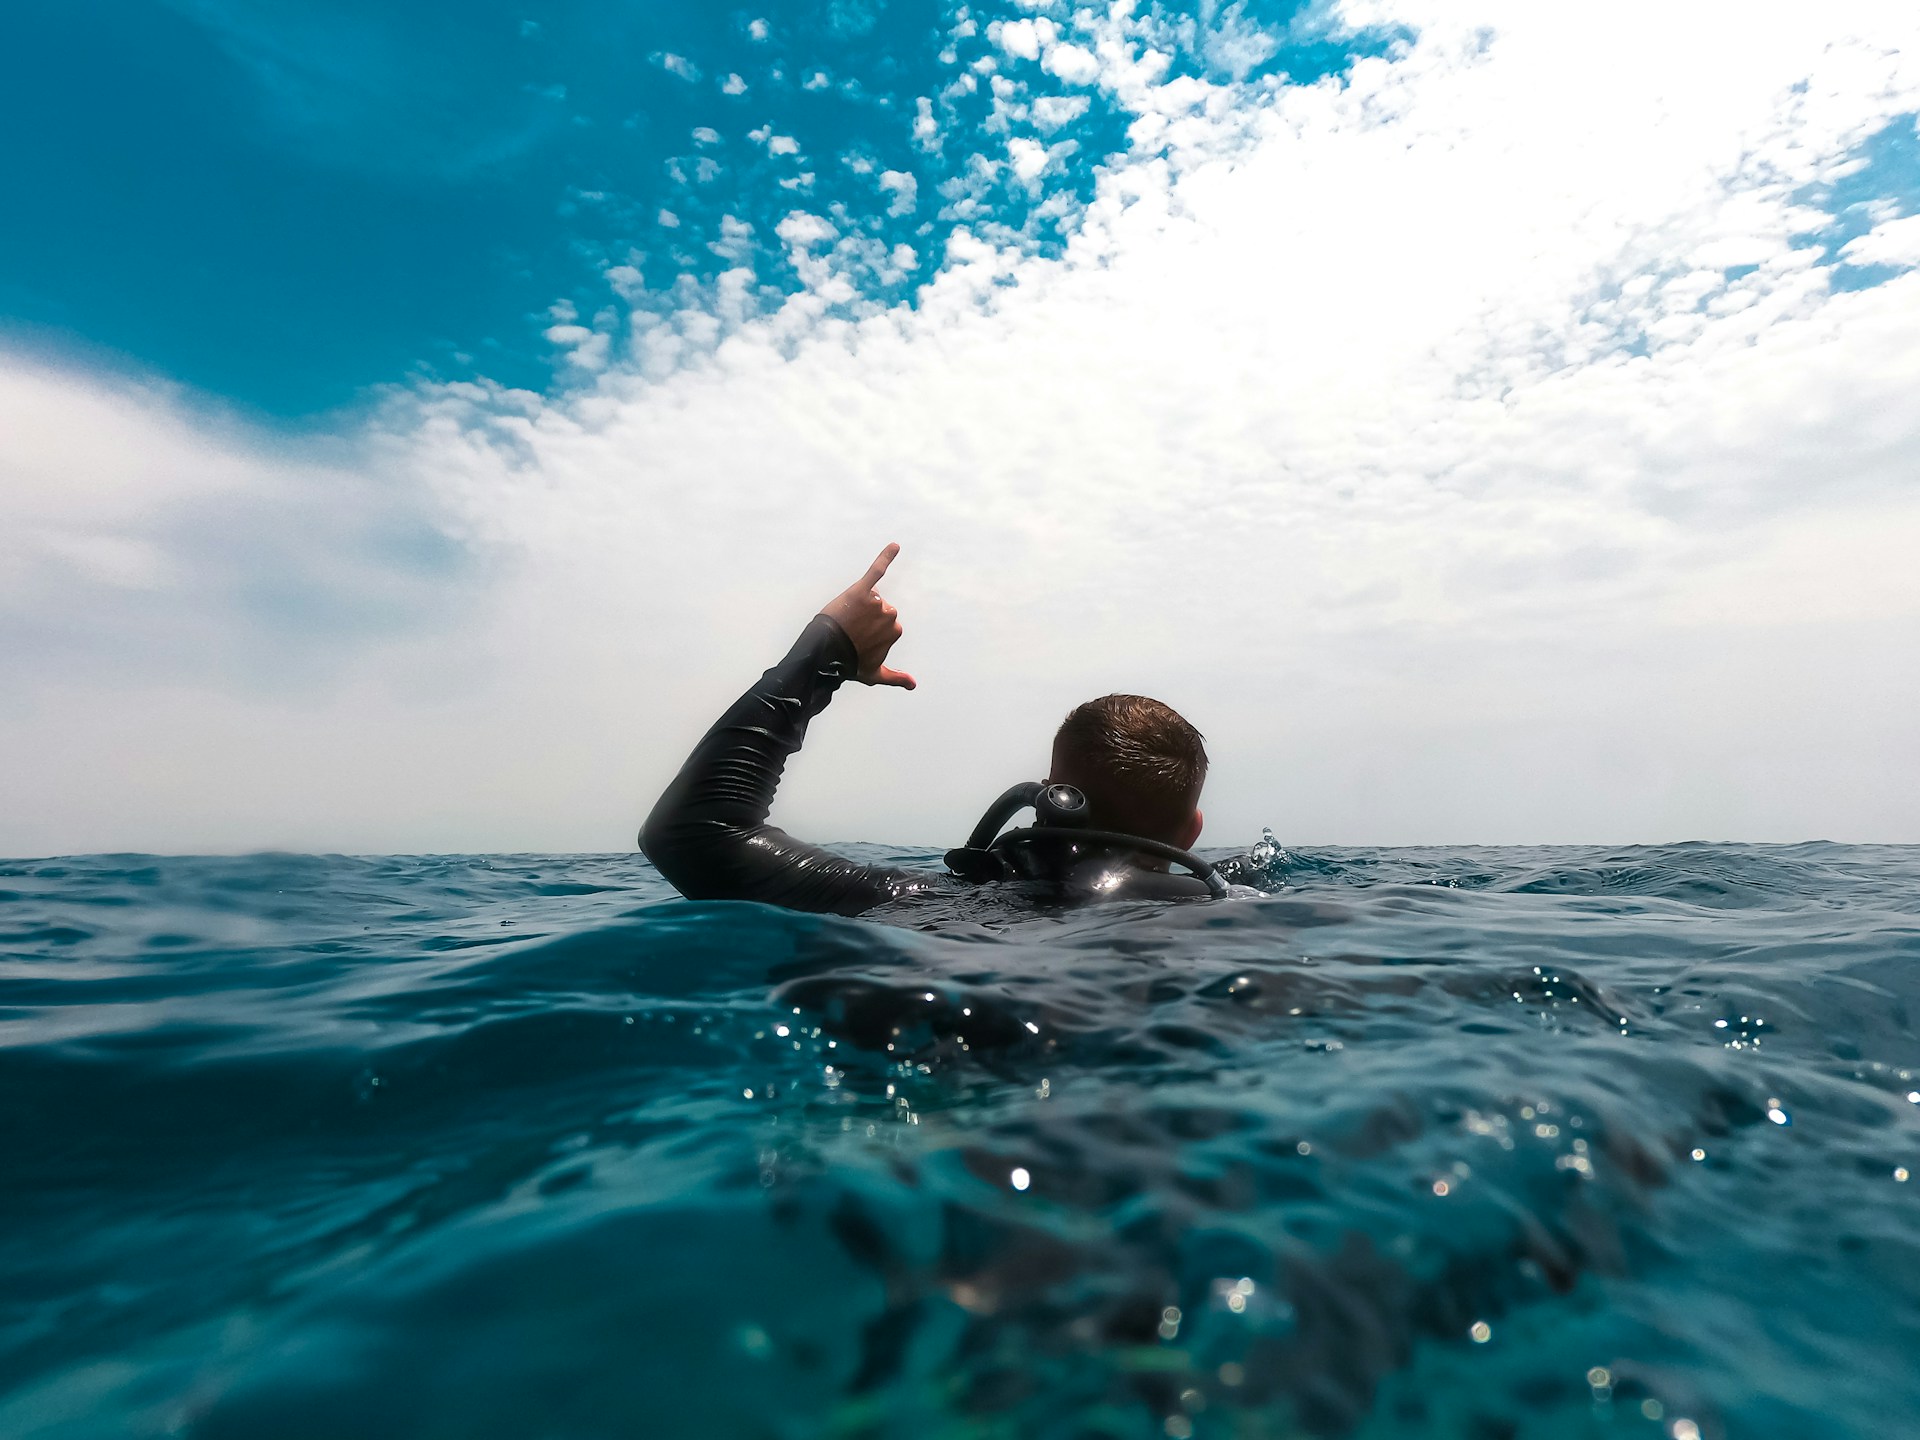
{"x": 1140, "y": 764}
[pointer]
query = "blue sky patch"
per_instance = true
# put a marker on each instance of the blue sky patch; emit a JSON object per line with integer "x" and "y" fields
{"x": 284, "y": 202}
{"x": 1882, "y": 183}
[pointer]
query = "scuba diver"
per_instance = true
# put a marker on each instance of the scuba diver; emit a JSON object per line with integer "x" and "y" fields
{"x": 1119, "y": 804}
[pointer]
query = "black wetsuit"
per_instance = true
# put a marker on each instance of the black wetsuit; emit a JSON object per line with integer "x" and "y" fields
{"x": 709, "y": 833}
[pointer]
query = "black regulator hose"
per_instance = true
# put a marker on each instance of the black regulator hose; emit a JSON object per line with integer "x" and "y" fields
{"x": 1203, "y": 870}
{"x": 1017, "y": 798}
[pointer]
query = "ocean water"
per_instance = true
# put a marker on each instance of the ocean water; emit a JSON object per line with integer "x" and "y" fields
{"x": 1478, "y": 1143}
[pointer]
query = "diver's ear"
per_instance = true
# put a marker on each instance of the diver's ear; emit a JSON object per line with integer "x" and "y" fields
{"x": 1190, "y": 832}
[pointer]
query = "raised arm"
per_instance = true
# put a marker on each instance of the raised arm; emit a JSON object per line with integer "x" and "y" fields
{"x": 708, "y": 834}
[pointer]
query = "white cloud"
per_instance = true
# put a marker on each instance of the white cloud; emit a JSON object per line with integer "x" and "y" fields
{"x": 1072, "y": 63}
{"x": 1410, "y": 434}
{"x": 904, "y": 189}
{"x": 585, "y": 349}
{"x": 1008, "y": 109}
{"x": 1894, "y": 242}
{"x": 926, "y": 131}
{"x": 1028, "y": 158}
{"x": 147, "y": 547}
{"x": 1054, "y": 112}
{"x": 736, "y": 239}
{"x": 776, "y": 144}
{"x": 1023, "y": 39}
{"x": 627, "y": 281}
{"x": 804, "y": 230}
{"x": 734, "y": 85}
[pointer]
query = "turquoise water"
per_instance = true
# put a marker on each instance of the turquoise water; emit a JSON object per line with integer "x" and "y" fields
{"x": 1441, "y": 1143}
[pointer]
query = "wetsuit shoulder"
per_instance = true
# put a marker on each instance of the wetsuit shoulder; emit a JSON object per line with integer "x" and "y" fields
{"x": 708, "y": 834}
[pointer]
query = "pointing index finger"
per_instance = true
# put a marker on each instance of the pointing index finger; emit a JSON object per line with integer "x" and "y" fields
{"x": 879, "y": 567}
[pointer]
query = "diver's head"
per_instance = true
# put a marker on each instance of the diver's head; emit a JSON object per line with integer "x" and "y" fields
{"x": 1139, "y": 764}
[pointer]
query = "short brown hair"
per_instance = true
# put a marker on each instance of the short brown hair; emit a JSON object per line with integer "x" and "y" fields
{"x": 1140, "y": 764}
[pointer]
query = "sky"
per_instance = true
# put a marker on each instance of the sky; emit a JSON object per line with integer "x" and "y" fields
{"x": 1488, "y": 422}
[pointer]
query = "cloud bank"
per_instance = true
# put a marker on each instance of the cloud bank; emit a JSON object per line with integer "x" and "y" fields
{"x": 1507, "y": 439}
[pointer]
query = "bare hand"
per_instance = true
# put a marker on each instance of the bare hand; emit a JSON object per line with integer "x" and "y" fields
{"x": 871, "y": 623}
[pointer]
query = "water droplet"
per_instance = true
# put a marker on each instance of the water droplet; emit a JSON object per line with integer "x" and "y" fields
{"x": 1480, "y": 1331}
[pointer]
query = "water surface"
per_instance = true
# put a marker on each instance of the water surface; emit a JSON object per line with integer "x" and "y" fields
{"x": 1441, "y": 1143}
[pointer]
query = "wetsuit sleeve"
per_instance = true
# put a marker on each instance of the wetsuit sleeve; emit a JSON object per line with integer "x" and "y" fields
{"x": 709, "y": 834}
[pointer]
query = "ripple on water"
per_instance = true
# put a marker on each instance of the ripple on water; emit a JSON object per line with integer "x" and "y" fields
{"x": 1474, "y": 1143}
